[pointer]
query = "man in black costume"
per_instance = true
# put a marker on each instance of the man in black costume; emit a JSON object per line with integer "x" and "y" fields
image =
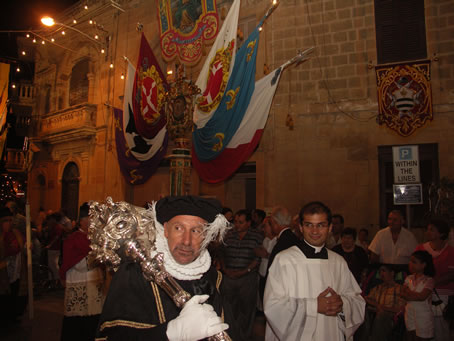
{"x": 136, "y": 309}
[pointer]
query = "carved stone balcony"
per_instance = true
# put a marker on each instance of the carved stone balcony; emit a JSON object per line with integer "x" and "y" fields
{"x": 15, "y": 160}
{"x": 74, "y": 123}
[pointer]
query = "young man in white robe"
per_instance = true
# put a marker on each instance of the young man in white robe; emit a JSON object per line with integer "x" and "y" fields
{"x": 310, "y": 293}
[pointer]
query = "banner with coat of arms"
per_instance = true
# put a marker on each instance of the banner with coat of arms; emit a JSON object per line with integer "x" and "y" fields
{"x": 404, "y": 96}
{"x": 140, "y": 128}
{"x": 185, "y": 27}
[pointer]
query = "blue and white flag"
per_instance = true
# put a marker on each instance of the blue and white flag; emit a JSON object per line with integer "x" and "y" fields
{"x": 210, "y": 140}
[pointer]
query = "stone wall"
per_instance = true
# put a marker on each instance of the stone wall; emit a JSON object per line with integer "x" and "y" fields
{"x": 331, "y": 153}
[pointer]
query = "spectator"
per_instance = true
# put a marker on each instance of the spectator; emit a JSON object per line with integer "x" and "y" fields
{"x": 363, "y": 239}
{"x": 13, "y": 246}
{"x": 5, "y": 226}
{"x": 394, "y": 244}
{"x": 83, "y": 284}
{"x": 53, "y": 246}
{"x": 334, "y": 237}
{"x": 264, "y": 252}
{"x": 240, "y": 266}
{"x": 228, "y": 214}
{"x": 417, "y": 291}
{"x": 384, "y": 303}
{"x": 354, "y": 255}
{"x": 443, "y": 259}
{"x": 280, "y": 222}
{"x": 257, "y": 218}
{"x": 19, "y": 221}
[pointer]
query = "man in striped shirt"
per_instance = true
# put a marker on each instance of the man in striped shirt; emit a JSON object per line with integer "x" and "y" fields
{"x": 240, "y": 264}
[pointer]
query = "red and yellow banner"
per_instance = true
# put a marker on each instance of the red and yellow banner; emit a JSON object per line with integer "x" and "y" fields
{"x": 185, "y": 27}
{"x": 404, "y": 96}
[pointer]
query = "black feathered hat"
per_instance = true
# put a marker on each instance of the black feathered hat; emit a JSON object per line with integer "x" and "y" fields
{"x": 205, "y": 208}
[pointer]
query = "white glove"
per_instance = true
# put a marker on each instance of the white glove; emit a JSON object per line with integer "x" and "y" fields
{"x": 196, "y": 321}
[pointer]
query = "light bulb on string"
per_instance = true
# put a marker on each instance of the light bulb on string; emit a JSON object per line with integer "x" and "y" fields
{"x": 111, "y": 65}
{"x": 102, "y": 51}
{"x": 90, "y": 22}
{"x": 122, "y": 76}
{"x": 96, "y": 36}
{"x": 52, "y": 39}
{"x": 34, "y": 40}
{"x": 28, "y": 35}
{"x": 74, "y": 21}
{"x": 86, "y": 7}
{"x": 43, "y": 42}
{"x": 24, "y": 53}
{"x": 63, "y": 33}
{"x": 18, "y": 69}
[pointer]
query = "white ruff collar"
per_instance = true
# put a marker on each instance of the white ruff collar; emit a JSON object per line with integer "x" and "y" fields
{"x": 191, "y": 271}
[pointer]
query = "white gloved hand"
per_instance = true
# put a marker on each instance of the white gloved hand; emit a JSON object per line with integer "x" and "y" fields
{"x": 197, "y": 320}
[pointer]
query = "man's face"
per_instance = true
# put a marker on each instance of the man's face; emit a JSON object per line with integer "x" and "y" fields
{"x": 241, "y": 224}
{"x": 84, "y": 223}
{"x": 229, "y": 216}
{"x": 395, "y": 220}
{"x": 315, "y": 228}
{"x": 432, "y": 233}
{"x": 347, "y": 241}
{"x": 184, "y": 235}
{"x": 337, "y": 225}
{"x": 362, "y": 236}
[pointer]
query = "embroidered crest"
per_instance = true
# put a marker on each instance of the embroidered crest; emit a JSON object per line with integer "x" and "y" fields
{"x": 151, "y": 94}
{"x": 404, "y": 96}
{"x": 217, "y": 79}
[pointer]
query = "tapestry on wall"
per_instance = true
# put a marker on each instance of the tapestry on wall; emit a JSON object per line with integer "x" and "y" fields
{"x": 185, "y": 27}
{"x": 404, "y": 96}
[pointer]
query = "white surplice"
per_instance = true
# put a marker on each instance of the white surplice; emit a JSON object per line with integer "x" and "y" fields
{"x": 290, "y": 301}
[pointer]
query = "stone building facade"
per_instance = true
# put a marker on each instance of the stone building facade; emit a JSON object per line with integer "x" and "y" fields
{"x": 322, "y": 140}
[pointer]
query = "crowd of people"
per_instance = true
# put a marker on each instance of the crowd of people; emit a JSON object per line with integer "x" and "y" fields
{"x": 405, "y": 286}
{"x": 307, "y": 274}
{"x": 59, "y": 249}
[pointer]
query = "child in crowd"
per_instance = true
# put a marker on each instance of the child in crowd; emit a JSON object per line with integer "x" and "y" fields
{"x": 417, "y": 292}
{"x": 385, "y": 302}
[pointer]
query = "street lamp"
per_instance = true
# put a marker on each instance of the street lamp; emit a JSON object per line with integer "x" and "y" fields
{"x": 48, "y": 21}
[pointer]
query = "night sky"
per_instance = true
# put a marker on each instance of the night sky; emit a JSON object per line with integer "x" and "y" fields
{"x": 24, "y": 15}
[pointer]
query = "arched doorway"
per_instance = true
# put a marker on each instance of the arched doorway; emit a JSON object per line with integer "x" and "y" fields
{"x": 70, "y": 190}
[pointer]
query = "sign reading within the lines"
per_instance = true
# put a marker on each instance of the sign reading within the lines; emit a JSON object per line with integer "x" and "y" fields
{"x": 406, "y": 164}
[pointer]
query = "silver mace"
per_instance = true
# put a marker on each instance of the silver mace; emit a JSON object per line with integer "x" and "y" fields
{"x": 153, "y": 270}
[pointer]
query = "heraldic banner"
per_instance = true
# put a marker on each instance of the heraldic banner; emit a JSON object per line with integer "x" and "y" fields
{"x": 210, "y": 140}
{"x": 140, "y": 128}
{"x": 186, "y": 26}
{"x": 404, "y": 96}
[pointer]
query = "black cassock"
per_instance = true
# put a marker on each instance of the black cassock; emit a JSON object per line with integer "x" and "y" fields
{"x": 136, "y": 309}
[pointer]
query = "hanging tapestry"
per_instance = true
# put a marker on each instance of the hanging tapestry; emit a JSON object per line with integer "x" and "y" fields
{"x": 185, "y": 27}
{"x": 404, "y": 96}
